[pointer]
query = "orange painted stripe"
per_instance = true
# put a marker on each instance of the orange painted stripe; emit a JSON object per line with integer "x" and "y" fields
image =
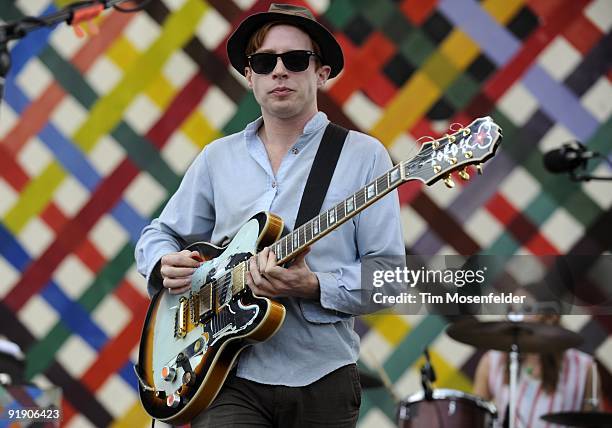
{"x": 36, "y": 115}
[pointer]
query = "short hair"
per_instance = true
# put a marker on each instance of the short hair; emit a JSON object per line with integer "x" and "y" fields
{"x": 257, "y": 38}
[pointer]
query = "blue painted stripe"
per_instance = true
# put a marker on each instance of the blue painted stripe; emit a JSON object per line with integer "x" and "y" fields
{"x": 131, "y": 221}
{"x": 498, "y": 43}
{"x": 127, "y": 374}
{"x": 74, "y": 316}
{"x": 76, "y": 163}
{"x": 12, "y": 251}
{"x": 560, "y": 103}
{"x": 31, "y": 45}
{"x": 69, "y": 155}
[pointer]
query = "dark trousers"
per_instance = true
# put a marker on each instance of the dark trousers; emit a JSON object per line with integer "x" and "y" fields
{"x": 332, "y": 401}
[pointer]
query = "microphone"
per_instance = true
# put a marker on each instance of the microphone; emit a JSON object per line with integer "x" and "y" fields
{"x": 569, "y": 157}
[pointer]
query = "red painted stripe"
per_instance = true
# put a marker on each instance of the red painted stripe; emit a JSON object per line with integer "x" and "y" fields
{"x": 380, "y": 90}
{"x": 531, "y": 48}
{"x": 115, "y": 353}
{"x": 363, "y": 66}
{"x": 418, "y": 11}
{"x": 519, "y": 226}
{"x": 583, "y": 34}
{"x": 11, "y": 170}
{"x": 90, "y": 256}
{"x": 54, "y": 217}
{"x": 102, "y": 200}
{"x": 544, "y": 8}
{"x": 68, "y": 411}
{"x": 131, "y": 298}
{"x": 34, "y": 118}
{"x": 36, "y": 115}
{"x": 180, "y": 108}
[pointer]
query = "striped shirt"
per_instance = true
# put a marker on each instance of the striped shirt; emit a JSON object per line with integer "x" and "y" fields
{"x": 532, "y": 400}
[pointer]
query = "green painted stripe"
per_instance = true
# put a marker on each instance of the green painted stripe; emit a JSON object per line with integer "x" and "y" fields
{"x": 68, "y": 77}
{"x": 108, "y": 111}
{"x": 42, "y": 354}
{"x": 146, "y": 156}
{"x": 247, "y": 111}
{"x": 406, "y": 353}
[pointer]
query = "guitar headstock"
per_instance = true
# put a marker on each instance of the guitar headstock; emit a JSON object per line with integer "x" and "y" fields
{"x": 471, "y": 145}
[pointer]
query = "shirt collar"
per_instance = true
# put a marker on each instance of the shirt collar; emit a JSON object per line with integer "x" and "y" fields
{"x": 318, "y": 121}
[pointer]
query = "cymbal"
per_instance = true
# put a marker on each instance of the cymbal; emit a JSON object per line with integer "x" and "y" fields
{"x": 580, "y": 419}
{"x": 500, "y": 335}
{"x": 368, "y": 380}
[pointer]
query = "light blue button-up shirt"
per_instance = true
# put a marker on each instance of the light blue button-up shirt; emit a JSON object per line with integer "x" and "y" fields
{"x": 229, "y": 182}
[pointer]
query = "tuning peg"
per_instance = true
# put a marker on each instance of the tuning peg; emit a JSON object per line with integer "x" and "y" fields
{"x": 449, "y": 182}
{"x": 437, "y": 168}
{"x": 479, "y": 168}
{"x": 464, "y": 174}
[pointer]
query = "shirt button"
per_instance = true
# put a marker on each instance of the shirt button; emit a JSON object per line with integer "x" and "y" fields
{"x": 273, "y": 184}
{"x": 295, "y": 151}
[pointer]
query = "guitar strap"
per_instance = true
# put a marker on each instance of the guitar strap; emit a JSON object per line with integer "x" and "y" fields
{"x": 321, "y": 173}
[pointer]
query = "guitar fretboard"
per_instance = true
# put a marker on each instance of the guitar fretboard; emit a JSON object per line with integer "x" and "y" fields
{"x": 293, "y": 243}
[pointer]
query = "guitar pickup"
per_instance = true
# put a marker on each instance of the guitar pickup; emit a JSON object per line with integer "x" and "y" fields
{"x": 206, "y": 304}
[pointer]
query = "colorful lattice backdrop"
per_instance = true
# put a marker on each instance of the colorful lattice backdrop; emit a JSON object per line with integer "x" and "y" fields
{"x": 97, "y": 132}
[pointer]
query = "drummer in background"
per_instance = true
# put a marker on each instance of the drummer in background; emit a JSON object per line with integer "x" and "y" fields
{"x": 548, "y": 383}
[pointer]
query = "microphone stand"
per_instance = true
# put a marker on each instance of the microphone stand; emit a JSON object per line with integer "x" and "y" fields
{"x": 73, "y": 14}
{"x": 580, "y": 176}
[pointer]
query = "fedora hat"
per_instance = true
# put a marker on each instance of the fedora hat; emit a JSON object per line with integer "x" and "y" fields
{"x": 301, "y": 17}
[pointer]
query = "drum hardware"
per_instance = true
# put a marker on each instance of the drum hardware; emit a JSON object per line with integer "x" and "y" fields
{"x": 514, "y": 336}
{"x": 450, "y": 408}
{"x": 580, "y": 419}
{"x": 428, "y": 376}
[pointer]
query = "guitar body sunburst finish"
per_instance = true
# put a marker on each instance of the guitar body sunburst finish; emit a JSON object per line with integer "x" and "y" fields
{"x": 209, "y": 342}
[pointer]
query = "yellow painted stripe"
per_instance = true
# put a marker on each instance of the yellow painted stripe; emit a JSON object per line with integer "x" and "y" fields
{"x": 108, "y": 111}
{"x": 448, "y": 376}
{"x": 123, "y": 53}
{"x": 134, "y": 417}
{"x": 34, "y": 197}
{"x": 177, "y": 30}
{"x": 199, "y": 130}
{"x": 392, "y": 327}
{"x": 502, "y": 10}
{"x": 459, "y": 49}
{"x": 414, "y": 99}
{"x": 161, "y": 92}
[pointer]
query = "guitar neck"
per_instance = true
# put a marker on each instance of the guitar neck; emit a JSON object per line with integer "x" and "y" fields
{"x": 310, "y": 232}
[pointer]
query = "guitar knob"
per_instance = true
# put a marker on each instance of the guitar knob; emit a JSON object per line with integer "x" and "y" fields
{"x": 464, "y": 174}
{"x": 479, "y": 168}
{"x": 168, "y": 373}
{"x": 173, "y": 400}
{"x": 449, "y": 182}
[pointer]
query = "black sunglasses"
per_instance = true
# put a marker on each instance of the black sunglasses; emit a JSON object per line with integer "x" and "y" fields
{"x": 265, "y": 62}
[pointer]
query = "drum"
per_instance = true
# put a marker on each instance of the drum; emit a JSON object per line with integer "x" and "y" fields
{"x": 447, "y": 409}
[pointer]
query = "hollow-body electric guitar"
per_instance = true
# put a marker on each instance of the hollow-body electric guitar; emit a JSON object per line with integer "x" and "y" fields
{"x": 189, "y": 342}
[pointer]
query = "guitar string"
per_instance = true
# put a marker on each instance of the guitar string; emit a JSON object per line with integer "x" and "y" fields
{"x": 223, "y": 282}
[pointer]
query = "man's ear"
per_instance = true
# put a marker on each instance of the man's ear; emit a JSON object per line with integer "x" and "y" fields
{"x": 323, "y": 75}
{"x": 248, "y": 75}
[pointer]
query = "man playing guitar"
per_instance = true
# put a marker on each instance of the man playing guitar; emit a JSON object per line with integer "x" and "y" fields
{"x": 305, "y": 374}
